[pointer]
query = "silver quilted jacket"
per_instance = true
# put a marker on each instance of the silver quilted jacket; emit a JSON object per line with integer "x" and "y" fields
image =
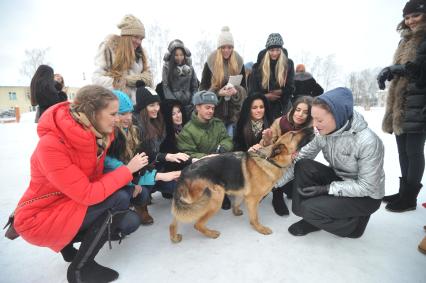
{"x": 355, "y": 153}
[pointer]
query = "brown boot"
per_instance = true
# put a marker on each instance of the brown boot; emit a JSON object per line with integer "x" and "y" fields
{"x": 422, "y": 246}
{"x": 142, "y": 211}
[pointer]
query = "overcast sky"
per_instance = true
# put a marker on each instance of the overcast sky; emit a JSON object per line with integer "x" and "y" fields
{"x": 360, "y": 33}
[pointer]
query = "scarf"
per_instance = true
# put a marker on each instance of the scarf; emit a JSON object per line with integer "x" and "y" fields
{"x": 256, "y": 127}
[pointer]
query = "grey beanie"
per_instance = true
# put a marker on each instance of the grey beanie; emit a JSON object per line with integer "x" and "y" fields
{"x": 204, "y": 97}
{"x": 274, "y": 40}
{"x": 225, "y": 38}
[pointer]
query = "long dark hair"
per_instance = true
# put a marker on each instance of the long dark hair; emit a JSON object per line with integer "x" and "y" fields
{"x": 308, "y": 100}
{"x": 152, "y": 128}
{"x": 167, "y": 111}
{"x": 244, "y": 136}
{"x": 42, "y": 80}
{"x": 172, "y": 65}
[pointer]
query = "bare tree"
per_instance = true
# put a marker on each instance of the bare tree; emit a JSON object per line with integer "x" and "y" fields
{"x": 203, "y": 48}
{"x": 33, "y": 59}
{"x": 156, "y": 44}
{"x": 364, "y": 87}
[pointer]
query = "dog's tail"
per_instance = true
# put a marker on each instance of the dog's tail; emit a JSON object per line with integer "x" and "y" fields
{"x": 191, "y": 199}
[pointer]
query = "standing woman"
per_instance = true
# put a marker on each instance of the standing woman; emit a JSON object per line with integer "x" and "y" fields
{"x": 273, "y": 75}
{"x": 221, "y": 64}
{"x": 121, "y": 61}
{"x": 255, "y": 117}
{"x": 179, "y": 78}
{"x": 69, "y": 199}
{"x": 43, "y": 91}
{"x": 406, "y": 105}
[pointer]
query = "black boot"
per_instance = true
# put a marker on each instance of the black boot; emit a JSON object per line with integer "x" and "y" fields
{"x": 301, "y": 228}
{"x": 84, "y": 268}
{"x": 226, "y": 204}
{"x": 69, "y": 252}
{"x": 394, "y": 197}
{"x": 278, "y": 202}
{"x": 288, "y": 189}
{"x": 408, "y": 199}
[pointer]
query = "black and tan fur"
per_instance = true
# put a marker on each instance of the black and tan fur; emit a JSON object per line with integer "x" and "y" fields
{"x": 246, "y": 175}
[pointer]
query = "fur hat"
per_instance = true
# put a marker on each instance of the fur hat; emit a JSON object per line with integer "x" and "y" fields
{"x": 414, "y": 6}
{"x": 300, "y": 68}
{"x": 130, "y": 25}
{"x": 274, "y": 40}
{"x": 144, "y": 97}
{"x": 204, "y": 97}
{"x": 124, "y": 101}
{"x": 177, "y": 43}
{"x": 225, "y": 38}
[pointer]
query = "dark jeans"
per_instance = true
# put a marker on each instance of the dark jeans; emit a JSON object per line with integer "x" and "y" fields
{"x": 411, "y": 156}
{"x": 336, "y": 215}
{"x": 120, "y": 200}
{"x": 163, "y": 187}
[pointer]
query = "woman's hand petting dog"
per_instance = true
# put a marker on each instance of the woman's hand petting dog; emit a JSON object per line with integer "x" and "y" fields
{"x": 167, "y": 177}
{"x": 139, "y": 161}
{"x": 177, "y": 157}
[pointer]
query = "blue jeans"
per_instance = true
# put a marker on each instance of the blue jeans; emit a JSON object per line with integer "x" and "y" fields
{"x": 120, "y": 200}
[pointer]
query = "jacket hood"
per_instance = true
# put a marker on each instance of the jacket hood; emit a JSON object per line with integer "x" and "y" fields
{"x": 57, "y": 120}
{"x": 340, "y": 101}
{"x": 303, "y": 76}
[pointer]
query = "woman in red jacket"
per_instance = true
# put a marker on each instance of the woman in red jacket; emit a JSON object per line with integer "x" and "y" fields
{"x": 69, "y": 199}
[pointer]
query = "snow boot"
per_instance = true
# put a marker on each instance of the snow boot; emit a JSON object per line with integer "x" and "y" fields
{"x": 408, "y": 199}
{"x": 226, "y": 203}
{"x": 84, "y": 268}
{"x": 301, "y": 228}
{"x": 394, "y": 197}
{"x": 69, "y": 252}
{"x": 278, "y": 202}
{"x": 142, "y": 211}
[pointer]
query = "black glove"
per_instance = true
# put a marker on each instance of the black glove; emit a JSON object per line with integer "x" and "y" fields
{"x": 312, "y": 191}
{"x": 140, "y": 83}
{"x": 388, "y": 73}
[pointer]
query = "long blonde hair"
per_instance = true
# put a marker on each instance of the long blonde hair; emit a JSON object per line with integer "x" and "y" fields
{"x": 280, "y": 70}
{"x": 124, "y": 58}
{"x": 218, "y": 76}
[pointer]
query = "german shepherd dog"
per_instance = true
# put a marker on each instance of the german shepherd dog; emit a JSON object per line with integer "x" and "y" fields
{"x": 247, "y": 176}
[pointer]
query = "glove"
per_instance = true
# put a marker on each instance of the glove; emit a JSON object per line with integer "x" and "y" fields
{"x": 388, "y": 73}
{"x": 313, "y": 191}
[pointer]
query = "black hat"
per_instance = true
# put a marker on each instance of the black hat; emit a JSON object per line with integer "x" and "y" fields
{"x": 144, "y": 97}
{"x": 414, "y": 6}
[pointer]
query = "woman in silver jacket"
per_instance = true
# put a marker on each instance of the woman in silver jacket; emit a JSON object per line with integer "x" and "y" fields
{"x": 338, "y": 198}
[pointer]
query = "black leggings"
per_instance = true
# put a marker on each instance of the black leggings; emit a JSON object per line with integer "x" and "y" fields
{"x": 411, "y": 156}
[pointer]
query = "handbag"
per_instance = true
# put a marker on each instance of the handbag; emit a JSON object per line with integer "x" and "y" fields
{"x": 11, "y": 233}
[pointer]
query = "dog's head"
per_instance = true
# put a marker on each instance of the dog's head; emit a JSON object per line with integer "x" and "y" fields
{"x": 288, "y": 144}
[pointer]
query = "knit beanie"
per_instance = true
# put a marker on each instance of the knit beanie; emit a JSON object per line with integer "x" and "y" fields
{"x": 300, "y": 68}
{"x": 204, "y": 97}
{"x": 124, "y": 101}
{"x": 341, "y": 103}
{"x": 144, "y": 97}
{"x": 414, "y": 6}
{"x": 274, "y": 40}
{"x": 130, "y": 25}
{"x": 225, "y": 38}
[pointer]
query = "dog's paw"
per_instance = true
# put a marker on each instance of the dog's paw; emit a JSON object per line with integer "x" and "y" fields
{"x": 237, "y": 211}
{"x": 176, "y": 239}
{"x": 212, "y": 234}
{"x": 264, "y": 230}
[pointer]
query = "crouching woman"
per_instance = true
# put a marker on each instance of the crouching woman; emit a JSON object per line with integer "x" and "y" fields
{"x": 69, "y": 199}
{"x": 338, "y": 198}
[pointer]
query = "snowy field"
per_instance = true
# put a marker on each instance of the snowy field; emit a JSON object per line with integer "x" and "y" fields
{"x": 386, "y": 253}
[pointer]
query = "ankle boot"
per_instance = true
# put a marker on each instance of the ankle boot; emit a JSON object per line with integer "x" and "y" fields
{"x": 69, "y": 252}
{"x": 407, "y": 200}
{"x": 278, "y": 202}
{"x": 394, "y": 197}
{"x": 301, "y": 228}
{"x": 84, "y": 268}
{"x": 142, "y": 211}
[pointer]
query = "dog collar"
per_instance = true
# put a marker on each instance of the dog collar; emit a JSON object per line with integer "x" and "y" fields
{"x": 261, "y": 155}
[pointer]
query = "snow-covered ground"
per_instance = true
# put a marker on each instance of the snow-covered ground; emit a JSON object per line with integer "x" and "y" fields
{"x": 386, "y": 253}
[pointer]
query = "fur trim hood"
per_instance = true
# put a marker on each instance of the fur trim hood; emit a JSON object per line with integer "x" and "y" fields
{"x": 177, "y": 43}
{"x": 304, "y": 76}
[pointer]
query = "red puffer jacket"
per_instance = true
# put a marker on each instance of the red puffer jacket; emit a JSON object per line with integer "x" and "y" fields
{"x": 64, "y": 161}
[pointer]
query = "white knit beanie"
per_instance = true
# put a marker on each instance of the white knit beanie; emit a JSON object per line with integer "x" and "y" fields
{"x": 225, "y": 38}
{"x": 130, "y": 25}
